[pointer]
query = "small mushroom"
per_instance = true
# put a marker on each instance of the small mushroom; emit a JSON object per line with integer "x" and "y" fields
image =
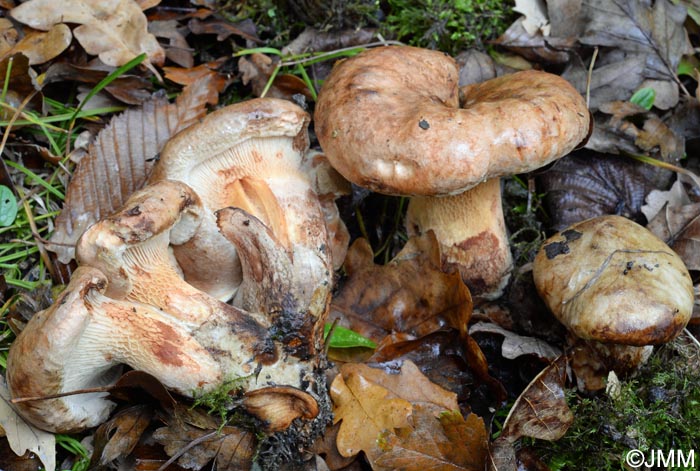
{"x": 617, "y": 287}
{"x": 394, "y": 120}
{"x": 81, "y": 341}
{"x": 247, "y": 155}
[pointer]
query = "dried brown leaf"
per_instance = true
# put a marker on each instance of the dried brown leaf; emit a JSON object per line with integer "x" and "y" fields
{"x": 120, "y": 160}
{"x": 410, "y": 384}
{"x": 129, "y": 89}
{"x": 654, "y": 29}
{"x": 411, "y": 294}
{"x": 118, "y": 436}
{"x": 116, "y": 31}
{"x": 541, "y": 411}
{"x": 679, "y": 227}
{"x": 41, "y": 47}
{"x": 586, "y": 184}
{"x": 437, "y": 441}
{"x": 232, "y": 448}
{"x": 189, "y": 76}
{"x": 365, "y": 412}
{"x": 223, "y": 29}
{"x": 178, "y": 50}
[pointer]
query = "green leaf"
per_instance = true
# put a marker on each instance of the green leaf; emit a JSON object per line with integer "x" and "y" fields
{"x": 644, "y": 97}
{"x": 346, "y": 338}
{"x": 687, "y": 66}
{"x": 8, "y": 206}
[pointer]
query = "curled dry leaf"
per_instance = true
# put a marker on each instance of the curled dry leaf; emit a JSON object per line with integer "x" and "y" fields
{"x": 120, "y": 160}
{"x": 411, "y": 294}
{"x": 365, "y": 411}
{"x": 438, "y": 440}
{"x": 116, "y": 31}
{"x": 515, "y": 345}
{"x": 118, "y": 437}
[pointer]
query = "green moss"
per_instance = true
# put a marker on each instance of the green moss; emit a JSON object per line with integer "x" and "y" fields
{"x": 658, "y": 409}
{"x": 450, "y": 26}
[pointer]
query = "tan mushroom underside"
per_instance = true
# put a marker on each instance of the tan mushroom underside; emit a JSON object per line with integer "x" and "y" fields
{"x": 389, "y": 119}
{"x": 610, "y": 279}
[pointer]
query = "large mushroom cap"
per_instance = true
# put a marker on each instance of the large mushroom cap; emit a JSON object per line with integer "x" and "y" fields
{"x": 610, "y": 279}
{"x": 389, "y": 119}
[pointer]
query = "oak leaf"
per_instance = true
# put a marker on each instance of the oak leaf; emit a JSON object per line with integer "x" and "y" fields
{"x": 114, "y": 30}
{"x": 366, "y": 412}
{"x": 22, "y": 436}
{"x": 437, "y": 441}
{"x": 410, "y": 384}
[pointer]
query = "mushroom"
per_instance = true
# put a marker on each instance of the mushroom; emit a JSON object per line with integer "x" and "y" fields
{"x": 132, "y": 247}
{"x": 270, "y": 345}
{"x": 81, "y": 341}
{"x": 394, "y": 120}
{"x": 247, "y": 155}
{"x": 616, "y": 287}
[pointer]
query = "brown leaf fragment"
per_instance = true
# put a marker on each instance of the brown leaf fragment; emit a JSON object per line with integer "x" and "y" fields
{"x": 541, "y": 411}
{"x": 129, "y": 89}
{"x": 178, "y": 50}
{"x": 437, "y": 441}
{"x": 8, "y": 36}
{"x": 120, "y": 160}
{"x": 377, "y": 300}
{"x": 118, "y": 436}
{"x": 515, "y": 345}
{"x": 223, "y": 29}
{"x": 232, "y": 448}
{"x": 257, "y": 69}
{"x": 116, "y": 31}
{"x": 365, "y": 412}
{"x": 679, "y": 227}
{"x": 220, "y": 80}
{"x": 326, "y": 447}
{"x": 41, "y": 47}
{"x": 410, "y": 384}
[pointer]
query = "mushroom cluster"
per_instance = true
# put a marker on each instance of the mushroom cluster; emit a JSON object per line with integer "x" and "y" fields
{"x": 394, "y": 120}
{"x": 235, "y": 209}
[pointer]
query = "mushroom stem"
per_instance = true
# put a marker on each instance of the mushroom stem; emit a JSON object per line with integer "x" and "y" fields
{"x": 472, "y": 234}
{"x": 80, "y": 342}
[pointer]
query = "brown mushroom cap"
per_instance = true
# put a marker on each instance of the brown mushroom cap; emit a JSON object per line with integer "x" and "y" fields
{"x": 389, "y": 119}
{"x": 611, "y": 280}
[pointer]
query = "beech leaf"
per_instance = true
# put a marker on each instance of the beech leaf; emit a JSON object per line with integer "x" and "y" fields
{"x": 365, "y": 412}
{"x": 24, "y": 437}
{"x": 120, "y": 160}
{"x": 114, "y": 30}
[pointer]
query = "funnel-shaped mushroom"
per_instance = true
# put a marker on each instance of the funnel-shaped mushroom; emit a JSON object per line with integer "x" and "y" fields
{"x": 247, "y": 155}
{"x": 617, "y": 286}
{"x": 394, "y": 120}
{"x": 81, "y": 340}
